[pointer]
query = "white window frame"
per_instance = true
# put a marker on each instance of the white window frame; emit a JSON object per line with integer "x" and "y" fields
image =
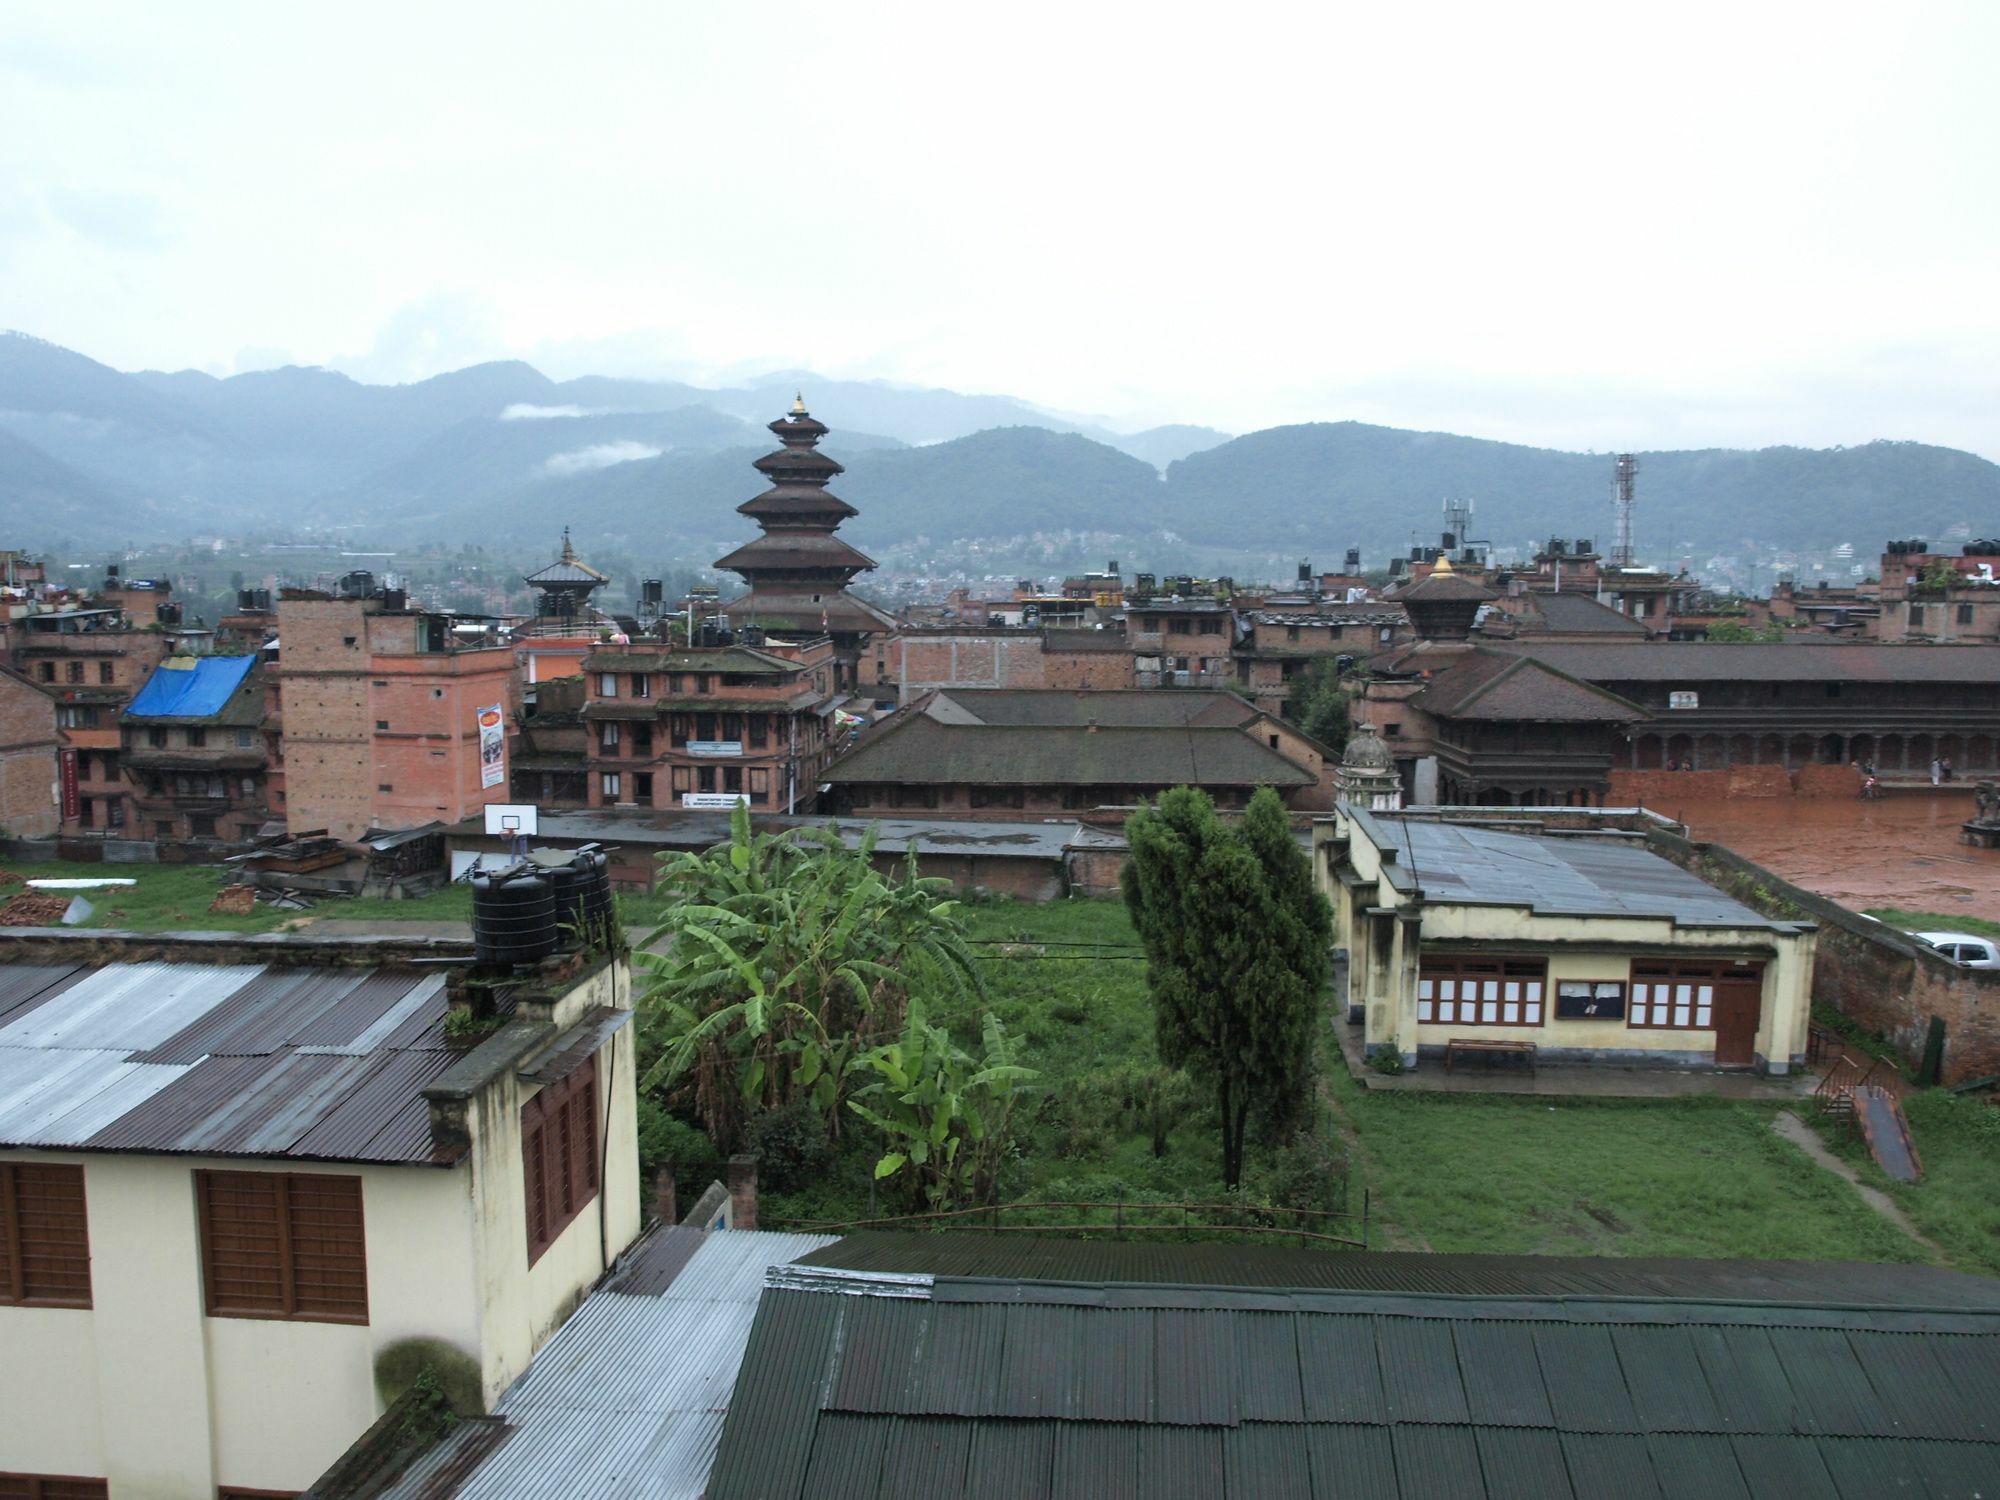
{"x": 1498, "y": 999}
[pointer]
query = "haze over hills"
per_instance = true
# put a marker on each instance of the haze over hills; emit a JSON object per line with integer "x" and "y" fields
{"x": 502, "y": 453}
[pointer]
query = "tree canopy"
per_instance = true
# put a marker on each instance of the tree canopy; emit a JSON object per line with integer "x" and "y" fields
{"x": 1236, "y": 953}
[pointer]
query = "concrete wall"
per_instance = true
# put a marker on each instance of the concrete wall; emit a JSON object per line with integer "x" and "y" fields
{"x": 1872, "y": 973}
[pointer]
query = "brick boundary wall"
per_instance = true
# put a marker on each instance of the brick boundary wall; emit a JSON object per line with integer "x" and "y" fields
{"x": 1872, "y": 973}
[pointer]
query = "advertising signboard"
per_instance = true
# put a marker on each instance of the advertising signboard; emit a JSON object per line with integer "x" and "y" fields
{"x": 715, "y": 747}
{"x": 712, "y": 799}
{"x": 492, "y": 746}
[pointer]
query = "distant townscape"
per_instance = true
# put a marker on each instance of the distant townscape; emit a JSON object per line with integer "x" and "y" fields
{"x": 479, "y": 1020}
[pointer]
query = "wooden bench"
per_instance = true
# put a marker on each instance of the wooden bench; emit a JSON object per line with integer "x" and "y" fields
{"x": 1492, "y": 1048}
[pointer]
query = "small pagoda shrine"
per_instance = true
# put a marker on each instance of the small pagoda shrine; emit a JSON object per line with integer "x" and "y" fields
{"x": 563, "y": 588}
{"x": 798, "y": 570}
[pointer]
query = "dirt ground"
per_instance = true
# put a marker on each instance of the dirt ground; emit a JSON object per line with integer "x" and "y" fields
{"x": 1902, "y": 851}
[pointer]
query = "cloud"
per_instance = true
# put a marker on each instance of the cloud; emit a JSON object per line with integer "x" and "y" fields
{"x": 527, "y": 411}
{"x": 118, "y": 221}
{"x": 599, "y": 456}
{"x": 444, "y": 331}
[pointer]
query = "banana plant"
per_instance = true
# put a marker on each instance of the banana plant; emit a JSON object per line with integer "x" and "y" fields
{"x": 945, "y": 1115}
{"x": 778, "y": 956}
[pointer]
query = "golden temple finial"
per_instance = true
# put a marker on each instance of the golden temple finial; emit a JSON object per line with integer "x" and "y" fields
{"x": 1443, "y": 567}
{"x": 568, "y": 552}
{"x": 799, "y": 404}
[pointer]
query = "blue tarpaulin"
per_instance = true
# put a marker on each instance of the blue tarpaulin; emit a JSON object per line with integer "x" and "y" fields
{"x": 190, "y": 687}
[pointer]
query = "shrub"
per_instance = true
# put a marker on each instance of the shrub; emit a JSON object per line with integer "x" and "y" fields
{"x": 1309, "y": 1171}
{"x": 790, "y": 1144}
{"x": 665, "y": 1137}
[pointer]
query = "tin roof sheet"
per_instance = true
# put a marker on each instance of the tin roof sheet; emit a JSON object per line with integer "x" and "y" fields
{"x": 871, "y": 1384}
{"x": 1454, "y": 862}
{"x": 628, "y": 1398}
{"x": 232, "y": 1060}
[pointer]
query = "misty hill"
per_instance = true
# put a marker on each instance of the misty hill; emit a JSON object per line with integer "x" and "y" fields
{"x": 1160, "y": 446}
{"x": 1348, "y": 483}
{"x": 500, "y": 451}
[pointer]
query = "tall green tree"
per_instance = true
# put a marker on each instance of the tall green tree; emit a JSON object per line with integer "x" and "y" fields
{"x": 1318, "y": 702}
{"x": 1235, "y": 938}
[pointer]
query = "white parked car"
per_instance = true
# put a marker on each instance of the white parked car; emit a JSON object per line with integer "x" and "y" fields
{"x": 1974, "y": 952}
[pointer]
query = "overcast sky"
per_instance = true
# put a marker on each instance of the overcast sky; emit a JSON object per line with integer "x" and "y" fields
{"x": 1590, "y": 226}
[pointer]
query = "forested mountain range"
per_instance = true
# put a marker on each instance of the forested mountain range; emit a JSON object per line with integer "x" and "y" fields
{"x": 93, "y": 456}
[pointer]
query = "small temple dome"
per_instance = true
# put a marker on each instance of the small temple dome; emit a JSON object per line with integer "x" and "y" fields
{"x": 1366, "y": 751}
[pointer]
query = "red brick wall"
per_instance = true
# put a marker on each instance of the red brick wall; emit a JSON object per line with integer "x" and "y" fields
{"x": 1879, "y": 977}
{"x": 1655, "y": 788}
{"x": 1091, "y": 670}
{"x": 27, "y": 760}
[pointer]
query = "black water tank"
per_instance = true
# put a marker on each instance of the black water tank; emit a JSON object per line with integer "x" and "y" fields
{"x": 513, "y": 916}
{"x": 596, "y": 867}
{"x": 566, "y": 880}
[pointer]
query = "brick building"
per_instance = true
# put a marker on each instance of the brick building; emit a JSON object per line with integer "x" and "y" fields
{"x": 91, "y": 660}
{"x": 1795, "y": 703}
{"x": 997, "y": 753}
{"x": 547, "y": 759}
{"x": 1471, "y": 723}
{"x": 748, "y": 717}
{"x": 1939, "y": 598}
{"x": 195, "y": 749}
{"x": 29, "y": 799}
{"x": 1272, "y": 647}
{"x": 914, "y": 661}
{"x": 382, "y": 709}
{"x": 1181, "y": 642}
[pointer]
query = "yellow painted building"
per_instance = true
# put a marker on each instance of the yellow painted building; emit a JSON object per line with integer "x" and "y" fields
{"x": 1584, "y": 944}
{"x": 227, "y": 1188}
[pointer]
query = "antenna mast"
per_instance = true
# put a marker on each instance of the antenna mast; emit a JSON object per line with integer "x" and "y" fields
{"x": 1621, "y": 499}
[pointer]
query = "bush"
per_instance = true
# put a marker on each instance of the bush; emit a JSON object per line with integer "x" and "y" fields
{"x": 666, "y": 1137}
{"x": 790, "y": 1144}
{"x": 1309, "y": 1171}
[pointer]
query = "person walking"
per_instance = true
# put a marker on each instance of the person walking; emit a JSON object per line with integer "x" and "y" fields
{"x": 1937, "y": 771}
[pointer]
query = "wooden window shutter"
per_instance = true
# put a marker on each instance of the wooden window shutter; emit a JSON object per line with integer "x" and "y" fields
{"x": 51, "y": 1487}
{"x": 283, "y": 1245}
{"x": 44, "y": 1235}
{"x": 559, "y": 1156}
{"x": 329, "y": 1254}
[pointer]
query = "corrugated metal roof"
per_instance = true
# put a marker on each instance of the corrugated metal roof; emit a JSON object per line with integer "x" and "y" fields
{"x": 221, "y": 1059}
{"x": 1454, "y": 862}
{"x": 873, "y": 1388}
{"x": 1034, "y": 1258}
{"x": 628, "y": 1398}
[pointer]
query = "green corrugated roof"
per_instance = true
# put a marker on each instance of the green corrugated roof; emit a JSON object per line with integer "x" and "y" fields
{"x": 876, "y": 1383}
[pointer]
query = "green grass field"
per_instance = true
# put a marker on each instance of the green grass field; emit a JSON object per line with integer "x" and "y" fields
{"x": 176, "y": 898}
{"x": 1497, "y": 1173}
{"x": 1931, "y": 921}
{"x": 1957, "y": 1204}
{"x": 1507, "y": 1174}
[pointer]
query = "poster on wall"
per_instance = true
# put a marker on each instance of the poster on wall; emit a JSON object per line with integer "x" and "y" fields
{"x": 71, "y": 802}
{"x": 492, "y": 746}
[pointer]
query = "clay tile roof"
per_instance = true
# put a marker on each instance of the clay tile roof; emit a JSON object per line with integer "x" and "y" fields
{"x": 920, "y": 750}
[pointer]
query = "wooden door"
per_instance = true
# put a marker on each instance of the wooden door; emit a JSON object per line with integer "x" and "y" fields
{"x": 1738, "y": 1001}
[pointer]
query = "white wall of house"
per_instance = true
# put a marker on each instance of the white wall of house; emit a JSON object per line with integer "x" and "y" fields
{"x": 146, "y": 1390}
{"x": 1386, "y": 949}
